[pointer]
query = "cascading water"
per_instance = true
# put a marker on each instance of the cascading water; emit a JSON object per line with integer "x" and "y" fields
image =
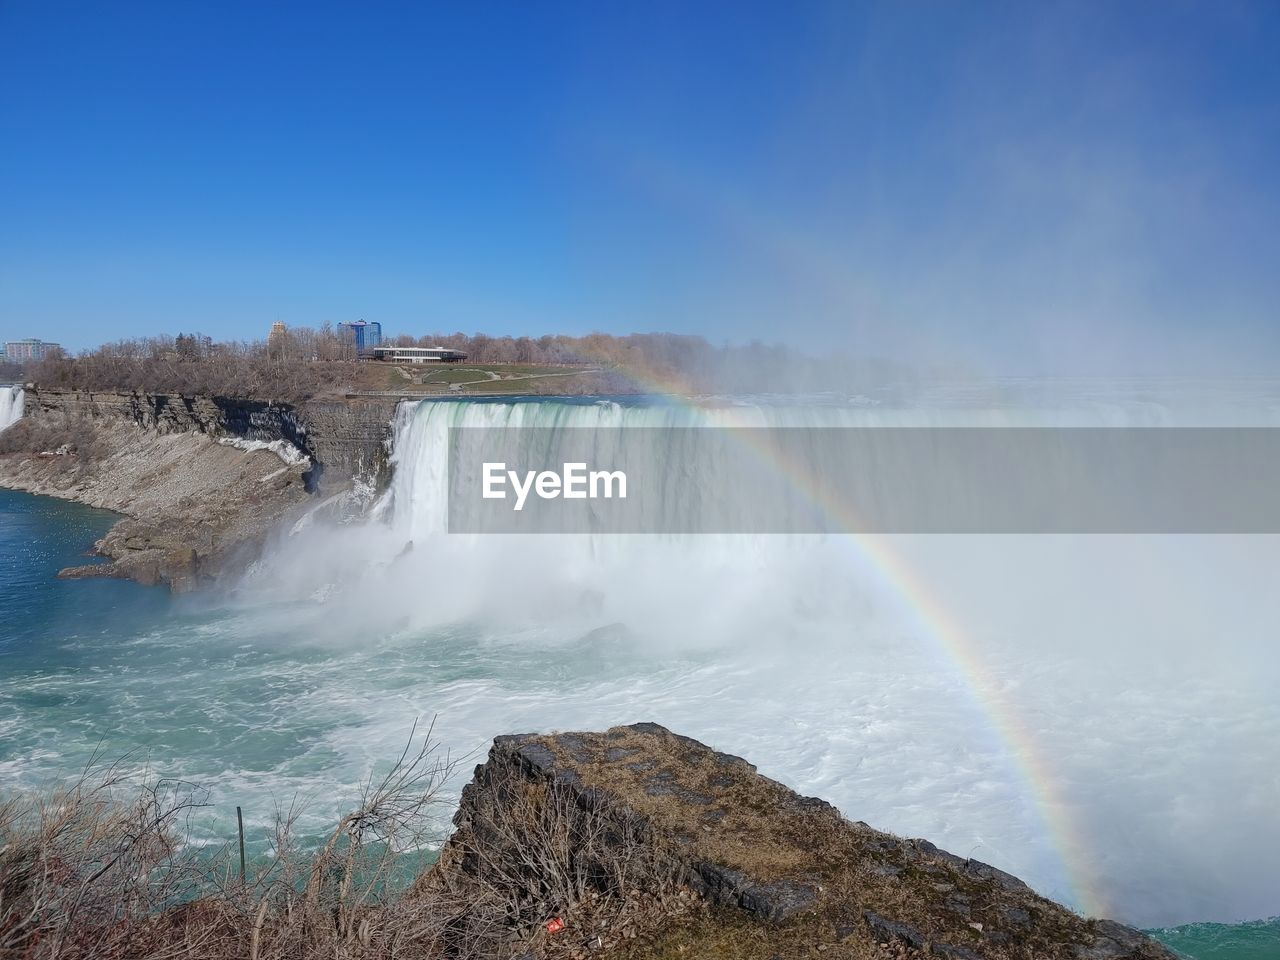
{"x": 1049, "y": 703}
{"x": 1094, "y": 714}
{"x": 11, "y": 404}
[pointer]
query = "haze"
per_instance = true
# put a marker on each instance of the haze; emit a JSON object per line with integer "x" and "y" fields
{"x": 1070, "y": 189}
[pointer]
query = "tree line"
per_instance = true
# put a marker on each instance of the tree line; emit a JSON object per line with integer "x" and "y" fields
{"x": 302, "y": 362}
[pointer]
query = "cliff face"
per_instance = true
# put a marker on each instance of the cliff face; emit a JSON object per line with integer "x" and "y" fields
{"x": 200, "y": 480}
{"x": 349, "y": 438}
{"x": 647, "y": 844}
{"x": 344, "y": 439}
{"x": 191, "y": 505}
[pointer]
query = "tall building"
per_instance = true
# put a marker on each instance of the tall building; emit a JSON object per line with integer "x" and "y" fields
{"x": 276, "y": 341}
{"x": 18, "y": 351}
{"x": 366, "y": 334}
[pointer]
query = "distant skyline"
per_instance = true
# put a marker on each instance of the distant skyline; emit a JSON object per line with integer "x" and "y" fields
{"x": 1087, "y": 188}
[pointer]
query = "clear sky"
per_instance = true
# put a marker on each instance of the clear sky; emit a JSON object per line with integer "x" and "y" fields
{"x": 1038, "y": 187}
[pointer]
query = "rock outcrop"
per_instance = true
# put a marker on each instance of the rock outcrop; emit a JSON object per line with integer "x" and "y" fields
{"x": 344, "y": 439}
{"x": 191, "y": 505}
{"x": 724, "y": 862}
{"x": 200, "y": 481}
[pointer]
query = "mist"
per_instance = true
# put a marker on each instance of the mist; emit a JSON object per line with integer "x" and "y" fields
{"x": 1033, "y": 191}
{"x": 1092, "y": 713}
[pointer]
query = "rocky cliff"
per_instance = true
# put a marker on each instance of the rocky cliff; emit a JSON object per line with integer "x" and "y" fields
{"x": 200, "y": 480}
{"x": 344, "y": 439}
{"x": 639, "y": 843}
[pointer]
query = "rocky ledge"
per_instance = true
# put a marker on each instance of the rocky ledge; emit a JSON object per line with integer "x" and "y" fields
{"x": 191, "y": 505}
{"x": 640, "y": 843}
{"x": 200, "y": 481}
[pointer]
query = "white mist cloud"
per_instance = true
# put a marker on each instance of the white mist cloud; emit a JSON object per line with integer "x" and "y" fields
{"x": 1014, "y": 190}
{"x": 1093, "y": 713}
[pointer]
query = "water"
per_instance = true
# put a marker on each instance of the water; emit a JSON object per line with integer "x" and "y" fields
{"x": 1095, "y": 714}
{"x": 1218, "y": 941}
{"x": 11, "y": 403}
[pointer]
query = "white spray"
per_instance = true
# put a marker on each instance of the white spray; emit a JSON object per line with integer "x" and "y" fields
{"x": 11, "y": 404}
{"x": 1139, "y": 670}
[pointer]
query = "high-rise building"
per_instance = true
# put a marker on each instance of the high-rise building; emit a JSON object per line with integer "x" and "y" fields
{"x": 18, "y": 351}
{"x": 276, "y": 341}
{"x": 366, "y": 334}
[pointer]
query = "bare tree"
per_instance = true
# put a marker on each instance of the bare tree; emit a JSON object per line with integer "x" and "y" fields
{"x": 106, "y": 868}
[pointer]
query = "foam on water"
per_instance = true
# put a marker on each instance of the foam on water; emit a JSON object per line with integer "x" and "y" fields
{"x": 1142, "y": 669}
{"x": 1259, "y": 940}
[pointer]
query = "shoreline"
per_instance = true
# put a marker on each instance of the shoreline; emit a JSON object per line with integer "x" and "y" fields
{"x": 199, "y": 482}
{"x": 188, "y": 506}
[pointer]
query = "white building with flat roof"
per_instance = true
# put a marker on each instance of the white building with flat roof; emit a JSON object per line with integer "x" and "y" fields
{"x": 418, "y": 354}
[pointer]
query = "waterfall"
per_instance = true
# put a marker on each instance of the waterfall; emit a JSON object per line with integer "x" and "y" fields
{"x": 1026, "y": 699}
{"x": 683, "y": 479}
{"x": 11, "y": 402}
{"x": 402, "y": 567}
{"x": 417, "y": 499}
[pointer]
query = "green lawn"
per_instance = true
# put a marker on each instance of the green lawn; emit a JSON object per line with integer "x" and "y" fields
{"x": 472, "y": 378}
{"x": 452, "y": 373}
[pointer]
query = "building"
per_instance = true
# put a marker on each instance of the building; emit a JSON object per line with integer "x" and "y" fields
{"x": 367, "y": 335}
{"x": 418, "y": 354}
{"x": 276, "y": 341}
{"x": 20, "y": 351}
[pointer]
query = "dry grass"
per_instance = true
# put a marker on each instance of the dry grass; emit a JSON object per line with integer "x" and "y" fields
{"x": 596, "y": 832}
{"x": 528, "y": 853}
{"x": 105, "y": 868}
{"x": 713, "y": 808}
{"x": 83, "y": 869}
{"x": 746, "y": 807}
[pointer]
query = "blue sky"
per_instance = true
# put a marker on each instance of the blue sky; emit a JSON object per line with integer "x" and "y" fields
{"x": 1055, "y": 187}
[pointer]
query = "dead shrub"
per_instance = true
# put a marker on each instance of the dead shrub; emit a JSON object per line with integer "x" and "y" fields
{"x": 106, "y": 868}
{"x": 539, "y": 850}
{"x": 75, "y": 442}
{"x": 85, "y": 867}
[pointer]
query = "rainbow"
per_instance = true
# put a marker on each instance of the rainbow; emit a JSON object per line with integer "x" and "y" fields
{"x": 1018, "y": 743}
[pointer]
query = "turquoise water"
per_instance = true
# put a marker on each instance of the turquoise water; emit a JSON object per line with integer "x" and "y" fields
{"x": 1219, "y": 941}
{"x": 38, "y": 537}
{"x": 255, "y": 696}
{"x": 1143, "y": 801}
{"x": 145, "y": 672}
